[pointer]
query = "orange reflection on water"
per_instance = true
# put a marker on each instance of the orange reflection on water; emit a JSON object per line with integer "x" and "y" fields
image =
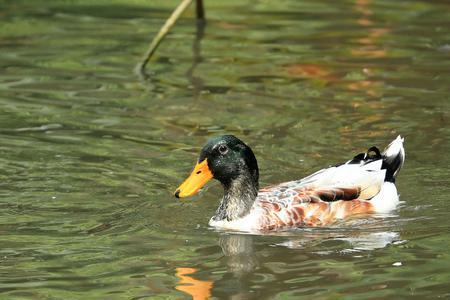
{"x": 370, "y": 45}
{"x": 198, "y": 289}
{"x": 362, "y": 6}
{"x": 313, "y": 71}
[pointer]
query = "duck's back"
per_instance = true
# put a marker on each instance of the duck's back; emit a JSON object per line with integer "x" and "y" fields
{"x": 362, "y": 185}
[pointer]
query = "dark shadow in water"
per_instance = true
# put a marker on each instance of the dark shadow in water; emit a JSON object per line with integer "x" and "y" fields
{"x": 196, "y": 82}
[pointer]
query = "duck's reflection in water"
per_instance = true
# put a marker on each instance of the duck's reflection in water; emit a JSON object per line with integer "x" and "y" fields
{"x": 239, "y": 253}
{"x": 242, "y": 260}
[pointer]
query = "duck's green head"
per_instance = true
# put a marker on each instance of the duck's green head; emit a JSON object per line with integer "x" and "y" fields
{"x": 224, "y": 158}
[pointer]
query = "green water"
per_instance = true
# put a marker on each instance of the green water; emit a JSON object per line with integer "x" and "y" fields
{"x": 90, "y": 153}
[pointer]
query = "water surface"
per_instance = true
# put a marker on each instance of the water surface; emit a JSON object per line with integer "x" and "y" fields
{"x": 91, "y": 153}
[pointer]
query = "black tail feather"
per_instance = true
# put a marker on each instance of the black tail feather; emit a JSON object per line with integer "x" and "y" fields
{"x": 392, "y": 159}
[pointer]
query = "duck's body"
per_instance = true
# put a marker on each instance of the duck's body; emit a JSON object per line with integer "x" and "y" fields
{"x": 362, "y": 185}
{"x": 320, "y": 199}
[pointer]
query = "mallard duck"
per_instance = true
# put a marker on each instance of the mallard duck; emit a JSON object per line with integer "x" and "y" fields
{"x": 362, "y": 185}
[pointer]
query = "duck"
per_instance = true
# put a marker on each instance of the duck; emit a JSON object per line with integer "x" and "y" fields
{"x": 360, "y": 186}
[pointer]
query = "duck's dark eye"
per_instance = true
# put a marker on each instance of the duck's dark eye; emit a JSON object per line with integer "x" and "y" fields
{"x": 223, "y": 149}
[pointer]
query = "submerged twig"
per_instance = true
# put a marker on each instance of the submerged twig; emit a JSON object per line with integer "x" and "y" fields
{"x": 140, "y": 67}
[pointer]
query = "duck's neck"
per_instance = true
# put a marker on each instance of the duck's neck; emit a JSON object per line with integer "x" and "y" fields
{"x": 239, "y": 196}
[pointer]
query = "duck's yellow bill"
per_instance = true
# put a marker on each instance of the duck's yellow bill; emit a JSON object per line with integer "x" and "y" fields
{"x": 198, "y": 178}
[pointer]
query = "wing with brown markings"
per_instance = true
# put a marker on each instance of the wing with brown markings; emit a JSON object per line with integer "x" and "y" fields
{"x": 310, "y": 206}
